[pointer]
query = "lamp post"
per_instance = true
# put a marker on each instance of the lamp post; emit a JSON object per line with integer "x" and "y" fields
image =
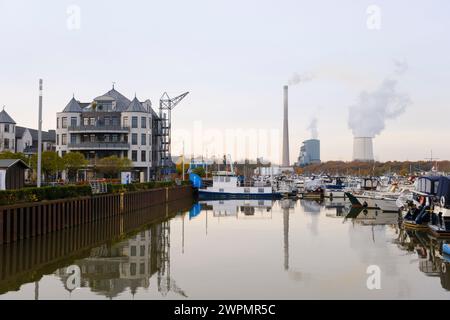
{"x": 182, "y": 164}
{"x": 39, "y": 161}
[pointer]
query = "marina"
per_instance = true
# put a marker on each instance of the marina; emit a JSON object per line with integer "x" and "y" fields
{"x": 280, "y": 249}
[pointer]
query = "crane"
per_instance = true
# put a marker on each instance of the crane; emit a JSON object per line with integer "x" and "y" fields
{"x": 166, "y": 104}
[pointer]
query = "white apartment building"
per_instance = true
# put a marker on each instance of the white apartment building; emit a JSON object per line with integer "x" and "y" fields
{"x": 111, "y": 125}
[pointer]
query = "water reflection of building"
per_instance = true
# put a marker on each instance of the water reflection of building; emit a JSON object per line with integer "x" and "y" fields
{"x": 244, "y": 208}
{"x": 113, "y": 268}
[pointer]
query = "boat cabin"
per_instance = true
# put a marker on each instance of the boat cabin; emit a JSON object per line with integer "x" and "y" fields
{"x": 224, "y": 179}
{"x": 369, "y": 184}
{"x": 427, "y": 185}
{"x": 443, "y": 192}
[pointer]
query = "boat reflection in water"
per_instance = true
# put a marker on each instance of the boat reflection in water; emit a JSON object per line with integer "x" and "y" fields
{"x": 248, "y": 246}
{"x": 432, "y": 261}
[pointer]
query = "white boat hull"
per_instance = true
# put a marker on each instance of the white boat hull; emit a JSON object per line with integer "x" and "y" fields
{"x": 382, "y": 204}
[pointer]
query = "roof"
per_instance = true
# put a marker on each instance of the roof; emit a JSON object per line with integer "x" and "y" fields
{"x": 6, "y": 163}
{"x": 20, "y": 131}
{"x": 135, "y": 106}
{"x": 46, "y": 135}
{"x": 73, "y": 106}
{"x": 5, "y": 117}
{"x": 104, "y": 98}
{"x": 122, "y": 102}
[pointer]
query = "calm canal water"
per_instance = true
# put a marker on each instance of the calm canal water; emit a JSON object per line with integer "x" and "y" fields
{"x": 230, "y": 250}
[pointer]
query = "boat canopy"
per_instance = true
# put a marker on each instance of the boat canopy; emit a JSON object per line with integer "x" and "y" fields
{"x": 443, "y": 190}
{"x": 428, "y": 184}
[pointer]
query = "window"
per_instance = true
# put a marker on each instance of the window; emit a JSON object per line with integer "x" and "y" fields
{"x": 57, "y": 139}
{"x": 133, "y": 251}
{"x": 134, "y": 122}
{"x": 73, "y": 121}
{"x": 142, "y": 251}
{"x": 107, "y": 138}
{"x": 6, "y": 127}
{"x": 115, "y": 121}
{"x": 143, "y": 122}
{"x": 73, "y": 138}
{"x": 57, "y": 123}
{"x": 227, "y": 179}
{"x": 143, "y": 153}
{"x": 86, "y": 121}
{"x": 125, "y": 122}
{"x": 134, "y": 139}
{"x": 220, "y": 190}
{"x": 107, "y": 121}
{"x": 261, "y": 190}
{"x": 125, "y": 138}
{"x": 115, "y": 138}
{"x": 133, "y": 269}
{"x": 64, "y": 122}
{"x": 14, "y": 128}
{"x": 246, "y": 190}
{"x": 92, "y": 137}
{"x": 142, "y": 268}
{"x": 92, "y": 121}
{"x": 64, "y": 139}
{"x": 134, "y": 155}
{"x": 143, "y": 139}
{"x": 6, "y": 143}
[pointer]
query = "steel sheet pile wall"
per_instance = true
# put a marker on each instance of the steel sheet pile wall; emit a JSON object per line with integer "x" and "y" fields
{"x": 24, "y": 221}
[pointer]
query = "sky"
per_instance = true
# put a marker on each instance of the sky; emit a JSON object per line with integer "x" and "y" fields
{"x": 234, "y": 58}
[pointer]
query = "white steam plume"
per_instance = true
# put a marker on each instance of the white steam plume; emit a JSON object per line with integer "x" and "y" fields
{"x": 300, "y": 78}
{"x": 313, "y": 128}
{"x": 368, "y": 116}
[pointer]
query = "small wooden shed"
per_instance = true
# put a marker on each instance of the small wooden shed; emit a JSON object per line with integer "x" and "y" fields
{"x": 12, "y": 173}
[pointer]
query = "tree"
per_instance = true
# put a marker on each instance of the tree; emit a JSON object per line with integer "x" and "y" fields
{"x": 12, "y": 155}
{"x": 52, "y": 163}
{"x": 74, "y": 161}
{"x": 199, "y": 171}
{"x": 111, "y": 166}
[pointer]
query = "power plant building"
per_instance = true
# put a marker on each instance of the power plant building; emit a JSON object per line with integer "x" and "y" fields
{"x": 309, "y": 152}
{"x": 363, "y": 149}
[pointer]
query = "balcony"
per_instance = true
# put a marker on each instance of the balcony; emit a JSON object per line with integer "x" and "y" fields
{"x": 99, "y": 146}
{"x": 99, "y": 128}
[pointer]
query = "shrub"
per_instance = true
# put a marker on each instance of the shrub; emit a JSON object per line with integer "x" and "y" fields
{"x": 8, "y": 197}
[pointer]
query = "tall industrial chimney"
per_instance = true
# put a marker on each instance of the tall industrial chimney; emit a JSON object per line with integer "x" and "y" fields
{"x": 285, "y": 159}
{"x": 363, "y": 149}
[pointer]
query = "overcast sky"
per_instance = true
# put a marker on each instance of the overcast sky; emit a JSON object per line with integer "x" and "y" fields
{"x": 234, "y": 57}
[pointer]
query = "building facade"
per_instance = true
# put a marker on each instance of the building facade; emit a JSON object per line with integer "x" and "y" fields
{"x": 27, "y": 140}
{"x": 309, "y": 152}
{"x": 7, "y": 132}
{"x": 111, "y": 125}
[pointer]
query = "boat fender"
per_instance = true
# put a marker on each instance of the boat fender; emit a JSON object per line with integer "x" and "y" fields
{"x": 422, "y": 200}
{"x": 365, "y": 204}
{"x": 442, "y": 201}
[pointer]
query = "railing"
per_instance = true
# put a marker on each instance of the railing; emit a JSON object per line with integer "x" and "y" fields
{"x": 100, "y": 145}
{"x": 99, "y": 128}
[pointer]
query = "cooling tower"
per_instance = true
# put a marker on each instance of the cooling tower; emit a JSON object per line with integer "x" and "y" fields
{"x": 362, "y": 149}
{"x": 285, "y": 158}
